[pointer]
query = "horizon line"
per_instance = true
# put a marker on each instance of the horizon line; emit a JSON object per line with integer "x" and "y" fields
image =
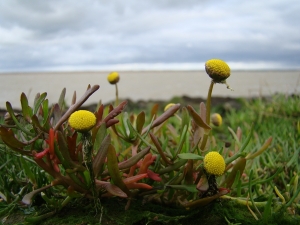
{"x": 235, "y": 66}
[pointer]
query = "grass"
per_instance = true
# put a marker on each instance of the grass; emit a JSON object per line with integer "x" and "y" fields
{"x": 267, "y": 193}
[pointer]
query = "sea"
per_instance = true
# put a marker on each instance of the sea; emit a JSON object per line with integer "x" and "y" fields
{"x": 144, "y": 85}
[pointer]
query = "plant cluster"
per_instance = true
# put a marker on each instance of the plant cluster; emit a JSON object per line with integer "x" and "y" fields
{"x": 172, "y": 158}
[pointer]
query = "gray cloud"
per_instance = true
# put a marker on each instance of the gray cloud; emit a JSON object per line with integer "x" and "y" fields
{"x": 70, "y": 34}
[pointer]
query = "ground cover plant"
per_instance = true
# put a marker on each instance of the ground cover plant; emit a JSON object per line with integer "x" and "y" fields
{"x": 184, "y": 164}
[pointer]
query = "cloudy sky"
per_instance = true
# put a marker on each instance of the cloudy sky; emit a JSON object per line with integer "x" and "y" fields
{"x": 58, "y": 35}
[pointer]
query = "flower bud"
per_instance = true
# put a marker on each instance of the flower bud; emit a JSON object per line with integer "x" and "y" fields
{"x": 113, "y": 77}
{"x": 168, "y": 106}
{"x": 82, "y": 120}
{"x": 214, "y": 163}
{"x": 217, "y": 69}
{"x": 216, "y": 119}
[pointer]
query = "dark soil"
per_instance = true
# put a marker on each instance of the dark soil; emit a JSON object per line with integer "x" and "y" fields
{"x": 81, "y": 212}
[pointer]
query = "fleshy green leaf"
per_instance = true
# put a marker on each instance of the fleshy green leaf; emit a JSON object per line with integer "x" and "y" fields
{"x": 131, "y": 131}
{"x": 36, "y": 123}
{"x": 238, "y": 166}
{"x": 182, "y": 140}
{"x": 190, "y": 188}
{"x": 162, "y": 118}
{"x": 98, "y": 136}
{"x": 154, "y": 111}
{"x": 12, "y": 114}
{"x": 61, "y": 99}
{"x": 246, "y": 142}
{"x": 26, "y": 109}
{"x": 38, "y": 101}
{"x": 114, "y": 190}
{"x": 173, "y": 167}
{"x": 140, "y": 121}
{"x": 204, "y": 201}
{"x": 46, "y": 114}
{"x": 262, "y": 149}
{"x": 185, "y": 117}
{"x": 234, "y": 135}
{"x": 27, "y": 199}
{"x": 202, "y": 111}
{"x": 134, "y": 159}
{"x": 197, "y": 118}
{"x": 190, "y": 156}
{"x": 9, "y": 138}
{"x": 112, "y": 165}
{"x": 101, "y": 155}
{"x": 159, "y": 149}
{"x": 38, "y": 219}
{"x": 64, "y": 154}
{"x": 28, "y": 172}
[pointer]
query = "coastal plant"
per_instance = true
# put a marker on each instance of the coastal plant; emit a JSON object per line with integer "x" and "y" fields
{"x": 172, "y": 157}
{"x": 72, "y": 147}
{"x": 113, "y": 78}
{"x": 42, "y": 137}
{"x": 278, "y": 168}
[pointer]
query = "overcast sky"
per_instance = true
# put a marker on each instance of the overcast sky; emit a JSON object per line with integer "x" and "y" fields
{"x": 58, "y": 35}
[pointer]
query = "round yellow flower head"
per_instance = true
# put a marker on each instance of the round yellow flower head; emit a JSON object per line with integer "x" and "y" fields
{"x": 113, "y": 77}
{"x": 168, "y": 106}
{"x": 216, "y": 119}
{"x": 82, "y": 120}
{"x": 214, "y": 163}
{"x": 217, "y": 69}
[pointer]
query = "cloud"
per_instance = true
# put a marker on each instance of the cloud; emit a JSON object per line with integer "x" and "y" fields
{"x": 98, "y": 34}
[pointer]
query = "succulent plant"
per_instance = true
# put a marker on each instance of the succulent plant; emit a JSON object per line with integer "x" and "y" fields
{"x": 110, "y": 152}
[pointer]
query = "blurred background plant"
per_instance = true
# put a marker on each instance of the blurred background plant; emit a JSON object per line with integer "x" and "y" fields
{"x": 157, "y": 156}
{"x": 113, "y": 78}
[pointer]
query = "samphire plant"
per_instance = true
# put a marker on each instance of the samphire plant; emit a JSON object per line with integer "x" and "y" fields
{"x": 171, "y": 158}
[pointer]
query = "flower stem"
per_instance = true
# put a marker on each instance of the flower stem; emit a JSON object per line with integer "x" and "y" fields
{"x": 87, "y": 149}
{"x": 208, "y": 102}
{"x": 117, "y": 96}
{"x": 208, "y": 106}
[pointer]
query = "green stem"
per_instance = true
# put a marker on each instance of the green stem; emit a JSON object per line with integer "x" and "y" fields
{"x": 208, "y": 102}
{"x": 117, "y": 95}
{"x": 208, "y": 106}
{"x": 250, "y": 193}
{"x": 244, "y": 201}
{"x": 87, "y": 149}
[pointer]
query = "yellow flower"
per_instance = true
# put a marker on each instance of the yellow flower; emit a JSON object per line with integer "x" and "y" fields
{"x": 214, "y": 163}
{"x": 168, "y": 106}
{"x": 216, "y": 119}
{"x": 82, "y": 120}
{"x": 113, "y": 77}
{"x": 217, "y": 69}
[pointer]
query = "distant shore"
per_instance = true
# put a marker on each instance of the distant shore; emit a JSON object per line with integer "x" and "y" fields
{"x": 222, "y": 102}
{"x": 144, "y": 85}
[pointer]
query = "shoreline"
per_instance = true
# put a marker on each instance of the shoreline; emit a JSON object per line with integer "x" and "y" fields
{"x": 145, "y": 85}
{"x": 220, "y": 102}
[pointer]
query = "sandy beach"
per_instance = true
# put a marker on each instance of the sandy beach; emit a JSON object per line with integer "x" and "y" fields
{"x": 144, "y": 85}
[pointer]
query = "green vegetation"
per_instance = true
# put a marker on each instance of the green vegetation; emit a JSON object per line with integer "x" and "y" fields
{"x": 150, "y": 167}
